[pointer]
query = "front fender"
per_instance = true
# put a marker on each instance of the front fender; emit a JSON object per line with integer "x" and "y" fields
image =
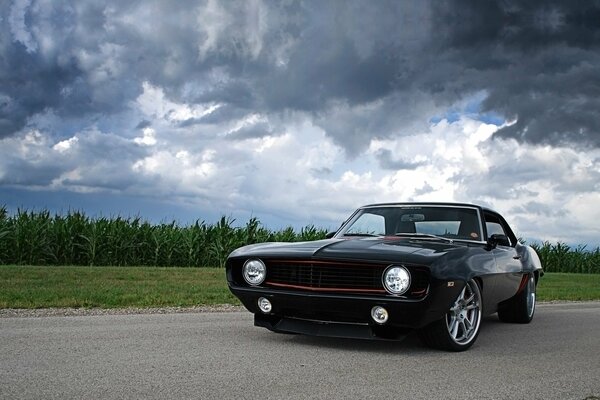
{"x": 530, "y": 260}
{"x": 464, "y": 264}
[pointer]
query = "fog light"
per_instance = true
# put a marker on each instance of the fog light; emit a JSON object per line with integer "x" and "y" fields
{"x": 265, "y": 305}
{"x": 379, "y": 314}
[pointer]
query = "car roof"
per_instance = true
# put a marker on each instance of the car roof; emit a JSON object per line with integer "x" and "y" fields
{"x": 429, "y": 203}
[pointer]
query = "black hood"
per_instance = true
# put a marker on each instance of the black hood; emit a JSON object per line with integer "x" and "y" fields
{"x": 422, "y": 251}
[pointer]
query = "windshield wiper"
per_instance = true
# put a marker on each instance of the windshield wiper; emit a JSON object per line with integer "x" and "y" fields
{"x": 424, "y": 235}
{"x": 361, "y": 234}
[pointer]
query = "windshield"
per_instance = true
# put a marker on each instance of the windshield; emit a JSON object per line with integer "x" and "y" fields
{"x": 452, "y": 222}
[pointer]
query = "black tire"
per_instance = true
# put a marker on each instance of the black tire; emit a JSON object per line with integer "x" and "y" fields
{"x": 459, "y": 328}
{"x": 520, "y": 308}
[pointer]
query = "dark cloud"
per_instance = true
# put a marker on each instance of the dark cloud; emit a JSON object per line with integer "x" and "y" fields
{"x": 536, "y": 61}
{"x": 30, "y": 84}
{"x": 143, "y": 124}
{"x": 48, "y": 55}
{"x": 24, "y": 172}
{"x": 91, "y": 159}
{"x": 426, "y": 189}
{"x": 388, "y": 161}
{"x": 522, "y": 25}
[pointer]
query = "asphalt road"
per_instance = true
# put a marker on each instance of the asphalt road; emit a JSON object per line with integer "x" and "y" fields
{"x": 222, "y": 356}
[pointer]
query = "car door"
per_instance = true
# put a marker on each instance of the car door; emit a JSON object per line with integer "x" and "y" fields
{"x": 509, "y": 269}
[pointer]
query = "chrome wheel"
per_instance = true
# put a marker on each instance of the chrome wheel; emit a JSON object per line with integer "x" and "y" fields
{"x": 521, "y": 307}
{"x": 458, "y": 329}
{"x": 531, "y": 296}
{"x": 464, "y": 317}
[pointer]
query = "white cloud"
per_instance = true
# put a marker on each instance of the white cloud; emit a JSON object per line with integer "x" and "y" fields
{"x": 148, "y": 138}
{"x": 65, "y": 145}
{"x": 302, "y": 175}
{"x": 548, "y": 193}
{"x": 153, "y": 103}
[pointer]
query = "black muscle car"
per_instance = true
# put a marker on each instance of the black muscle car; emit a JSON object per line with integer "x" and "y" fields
{"x": 390, "y": 269}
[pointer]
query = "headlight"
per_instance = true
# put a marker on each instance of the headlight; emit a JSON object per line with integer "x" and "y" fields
{"x": 254, "y": 272}
{"x": 396, "y": 279}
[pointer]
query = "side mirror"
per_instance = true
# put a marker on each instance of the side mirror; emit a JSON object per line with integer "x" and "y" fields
{"x": 498, "y": 239}
{"x": 329, "y": 235}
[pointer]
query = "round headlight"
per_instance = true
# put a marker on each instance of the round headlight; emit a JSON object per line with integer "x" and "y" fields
{"x": 254, "y": 272}
{"x": 396, "y": 280}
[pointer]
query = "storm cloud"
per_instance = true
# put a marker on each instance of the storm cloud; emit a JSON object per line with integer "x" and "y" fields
{"x": 537, "y": 62}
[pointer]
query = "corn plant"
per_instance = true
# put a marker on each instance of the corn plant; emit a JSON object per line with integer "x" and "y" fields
{"x": 5, "y": 235}
{"x": 75, "y": 239}
{"x": 560, "y": 257}
{"x": 39, "y": 238}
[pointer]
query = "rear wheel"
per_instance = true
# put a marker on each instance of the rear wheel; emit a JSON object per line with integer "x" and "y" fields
{"x": 459, "y": 328}
{"x": 521, "y": 307}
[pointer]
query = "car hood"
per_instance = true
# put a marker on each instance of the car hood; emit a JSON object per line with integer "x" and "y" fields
{"x": 385, "y": 249}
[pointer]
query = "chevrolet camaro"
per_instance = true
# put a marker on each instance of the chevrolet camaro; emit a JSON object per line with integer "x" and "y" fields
{"x": 390, "y": 269}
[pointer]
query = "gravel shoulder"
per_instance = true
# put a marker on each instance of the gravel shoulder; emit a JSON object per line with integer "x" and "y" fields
{"x": 77, "y": 312}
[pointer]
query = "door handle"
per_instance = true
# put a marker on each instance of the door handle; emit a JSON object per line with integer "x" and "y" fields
{"x": 517, "y": 257}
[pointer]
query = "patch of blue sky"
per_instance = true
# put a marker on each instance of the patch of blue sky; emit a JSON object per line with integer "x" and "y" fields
{"x": 453, "y": 115}
{"x": 471, "y": 108}
{"x": 491, "y": 118}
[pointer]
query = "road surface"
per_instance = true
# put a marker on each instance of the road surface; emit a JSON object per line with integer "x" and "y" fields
{"x": 222, "y": 356}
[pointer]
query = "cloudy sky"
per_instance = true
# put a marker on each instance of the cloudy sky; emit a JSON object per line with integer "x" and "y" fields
{"x": 298, "y": 112}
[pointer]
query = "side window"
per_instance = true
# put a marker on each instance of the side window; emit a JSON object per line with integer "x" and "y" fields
{"x": 494, "y": 228}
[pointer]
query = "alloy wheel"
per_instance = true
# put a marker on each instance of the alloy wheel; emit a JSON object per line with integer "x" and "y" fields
{"x": 464, "y": 317}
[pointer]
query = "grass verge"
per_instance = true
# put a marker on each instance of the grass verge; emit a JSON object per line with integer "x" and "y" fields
{"x": 569, "y": 287}
{"x": 112, "y": 287}
{"x": 116, "y": 287}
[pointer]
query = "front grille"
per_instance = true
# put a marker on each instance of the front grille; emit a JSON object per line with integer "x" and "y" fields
{"x": 331, "y": 276}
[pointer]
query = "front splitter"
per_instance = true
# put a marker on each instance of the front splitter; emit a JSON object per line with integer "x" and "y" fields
{"x": 329, "y": 328}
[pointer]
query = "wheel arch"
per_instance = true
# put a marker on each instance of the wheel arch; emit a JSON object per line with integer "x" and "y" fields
{"x": 479, "y": 281}
{"x": 484, "y": 307}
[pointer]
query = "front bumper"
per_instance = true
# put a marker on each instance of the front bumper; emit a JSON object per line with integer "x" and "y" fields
{"x": 336, "y": 315}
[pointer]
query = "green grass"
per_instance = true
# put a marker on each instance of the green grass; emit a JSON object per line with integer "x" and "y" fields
{"x": 113, "y": 287}
{"x": 563, "y": 286}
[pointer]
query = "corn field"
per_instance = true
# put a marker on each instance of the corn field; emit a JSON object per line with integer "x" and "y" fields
{"x": 560, "y": 257}
{"x": 39, "y": 238}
